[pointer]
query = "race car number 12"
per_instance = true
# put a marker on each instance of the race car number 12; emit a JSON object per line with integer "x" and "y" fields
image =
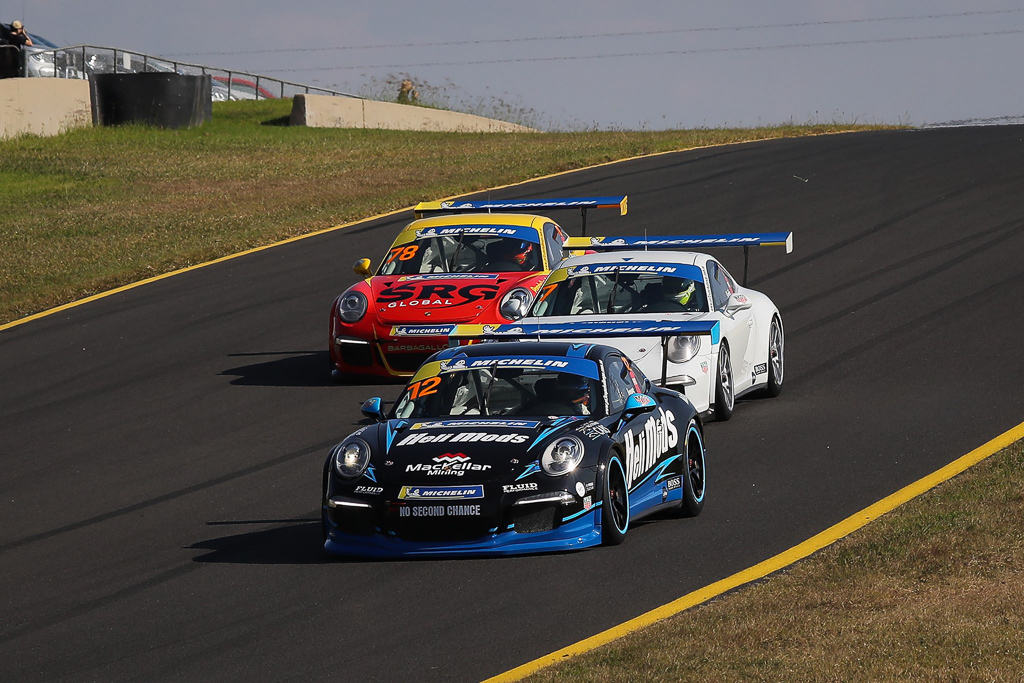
{"x": 424, "y": 387}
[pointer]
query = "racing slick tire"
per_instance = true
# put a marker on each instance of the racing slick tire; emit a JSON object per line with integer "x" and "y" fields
{"x": 725, "y": 392}
{"x": 614, "y": 503}
{"x": 693, "y": 472}
{"x": 776, "y": 359}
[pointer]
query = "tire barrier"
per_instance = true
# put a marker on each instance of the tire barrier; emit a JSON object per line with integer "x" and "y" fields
{"x": 156, "y": 99}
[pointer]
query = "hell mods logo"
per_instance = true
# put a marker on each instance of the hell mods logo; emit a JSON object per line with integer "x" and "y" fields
{"x": 449, "y": 464}
{"x": 645, "y": 446}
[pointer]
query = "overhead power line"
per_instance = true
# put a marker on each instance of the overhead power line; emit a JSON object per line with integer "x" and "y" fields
{"x": 621, "y": 34}
{"x": 653, "y": 53}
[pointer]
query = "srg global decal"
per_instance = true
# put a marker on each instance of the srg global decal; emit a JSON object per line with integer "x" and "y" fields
{"x": 645, "y": 446}
{"x": 444, "y": 293}
{"x": 441, "y": 492}
{"x": 462, "y": 437}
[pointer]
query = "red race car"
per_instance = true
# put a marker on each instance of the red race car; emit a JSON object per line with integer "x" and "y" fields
{"x": 469, "y": 266}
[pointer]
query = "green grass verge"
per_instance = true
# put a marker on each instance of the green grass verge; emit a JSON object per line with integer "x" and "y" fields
{"x": 933, "y": 591}
{"x": 96, "y": 208}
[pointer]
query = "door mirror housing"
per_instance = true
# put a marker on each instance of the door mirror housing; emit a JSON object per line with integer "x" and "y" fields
{"x": 362, "y": 267}
{"x": 637, "y": 404}
{"x": 373, "y": 408}
{"x": 737, "y": 302}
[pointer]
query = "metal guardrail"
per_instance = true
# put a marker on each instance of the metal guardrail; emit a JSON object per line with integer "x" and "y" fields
{"x": 82, "y": 61}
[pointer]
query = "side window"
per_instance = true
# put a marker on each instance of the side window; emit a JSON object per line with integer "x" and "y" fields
{"x": 619, "y": 385}
{"x": 554, "y": 237}
{"x": 730, "y": 284}
{"x": 636, "y": 377}
{"x": 719, "y": 289}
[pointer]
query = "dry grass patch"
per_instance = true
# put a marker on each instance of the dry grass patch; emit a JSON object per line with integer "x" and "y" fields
{"x": 96, "y": 208}
{"x": 932, "y": 591}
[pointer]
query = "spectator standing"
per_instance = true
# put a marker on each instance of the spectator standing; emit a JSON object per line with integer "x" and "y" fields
{"x": 17, "y": 35}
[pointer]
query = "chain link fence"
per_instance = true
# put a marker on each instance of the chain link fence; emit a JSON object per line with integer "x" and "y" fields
{"x": 82, "y": 61}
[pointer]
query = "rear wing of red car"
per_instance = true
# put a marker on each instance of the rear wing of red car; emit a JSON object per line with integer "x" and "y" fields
{"x": 500, "y": 205}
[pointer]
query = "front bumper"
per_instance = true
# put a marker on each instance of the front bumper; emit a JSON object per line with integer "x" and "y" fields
{"x": 582, "y": 532}
{"x": 382, "y": 357}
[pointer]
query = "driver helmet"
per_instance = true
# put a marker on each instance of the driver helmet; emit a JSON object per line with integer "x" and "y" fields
{"x": 574, "y": 389}
{"x": 678, "y": 289}
{"x": 517, "y": 251}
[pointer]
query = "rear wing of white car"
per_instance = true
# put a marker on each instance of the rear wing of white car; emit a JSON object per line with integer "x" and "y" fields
{"x": 685, "y": 242}
{"x": 665, "y": 329}
{"x": 491, "y": 205}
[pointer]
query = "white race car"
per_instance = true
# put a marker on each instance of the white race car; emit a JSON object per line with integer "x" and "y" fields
{"x": 625, "y": 286}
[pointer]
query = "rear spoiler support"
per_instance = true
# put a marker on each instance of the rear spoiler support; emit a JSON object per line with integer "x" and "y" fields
{"x": 488, "y": 206}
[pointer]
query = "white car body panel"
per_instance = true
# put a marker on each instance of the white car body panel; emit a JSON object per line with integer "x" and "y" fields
{"x": 745, "y": 331}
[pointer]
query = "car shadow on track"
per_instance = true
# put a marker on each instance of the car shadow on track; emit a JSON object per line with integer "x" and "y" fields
{"x": 295, "y": 542}
{"x": 283, "y": 369}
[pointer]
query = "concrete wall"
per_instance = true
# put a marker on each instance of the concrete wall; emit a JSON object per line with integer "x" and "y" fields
{"x": 328, "y": 111}
{"x": 43, "y": 106}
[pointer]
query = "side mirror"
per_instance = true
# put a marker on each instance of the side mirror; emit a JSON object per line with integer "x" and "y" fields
{"x": 373, "y": 408}
{"x": 737, "y": 303}
{"x": 637, "y": 404}
{"x": 362, "y": 267}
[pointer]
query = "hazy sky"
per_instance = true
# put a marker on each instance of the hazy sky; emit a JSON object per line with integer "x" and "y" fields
{"x": 923, "y": 81}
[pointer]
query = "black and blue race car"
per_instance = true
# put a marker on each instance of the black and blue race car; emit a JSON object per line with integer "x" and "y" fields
{"x": 513, "y": 447}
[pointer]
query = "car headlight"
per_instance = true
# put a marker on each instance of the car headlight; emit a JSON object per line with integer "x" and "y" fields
{"x": 351, "y": 458}
{"x": 352, "y": 306}
{"x": 562, "y": 456}
{"x": 683, "y": 348}
{"x": 515, "y": 303}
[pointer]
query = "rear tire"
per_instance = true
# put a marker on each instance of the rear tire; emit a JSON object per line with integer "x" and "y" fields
{"x": 693, "y": 472}
{"x": 614, "y": 503}
{"x": 776, "y": 358}
{"x": 725, "y": 394}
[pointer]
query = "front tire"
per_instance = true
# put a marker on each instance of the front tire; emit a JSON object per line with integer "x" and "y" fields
{"x": 614, "y": 503}
{"x": 693, "y": 472}
{"x": 725, "y": 395}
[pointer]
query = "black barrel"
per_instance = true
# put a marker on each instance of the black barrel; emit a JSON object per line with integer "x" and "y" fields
{"x": 157, "y": 99}
{"x": 10, "y": 61}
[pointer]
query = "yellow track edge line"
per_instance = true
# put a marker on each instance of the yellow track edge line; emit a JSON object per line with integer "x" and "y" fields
{"x": 395, "y": 212}
{"x": 773, "y": 564}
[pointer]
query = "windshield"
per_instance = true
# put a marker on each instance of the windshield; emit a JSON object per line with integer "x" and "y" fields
{"x": 622, "y": 289}
{"x": 463, "y": 253}
{"x": 502, "y": 391}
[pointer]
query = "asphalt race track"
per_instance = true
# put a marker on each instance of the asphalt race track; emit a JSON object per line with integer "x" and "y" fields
{"x": 161, "y": 448}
